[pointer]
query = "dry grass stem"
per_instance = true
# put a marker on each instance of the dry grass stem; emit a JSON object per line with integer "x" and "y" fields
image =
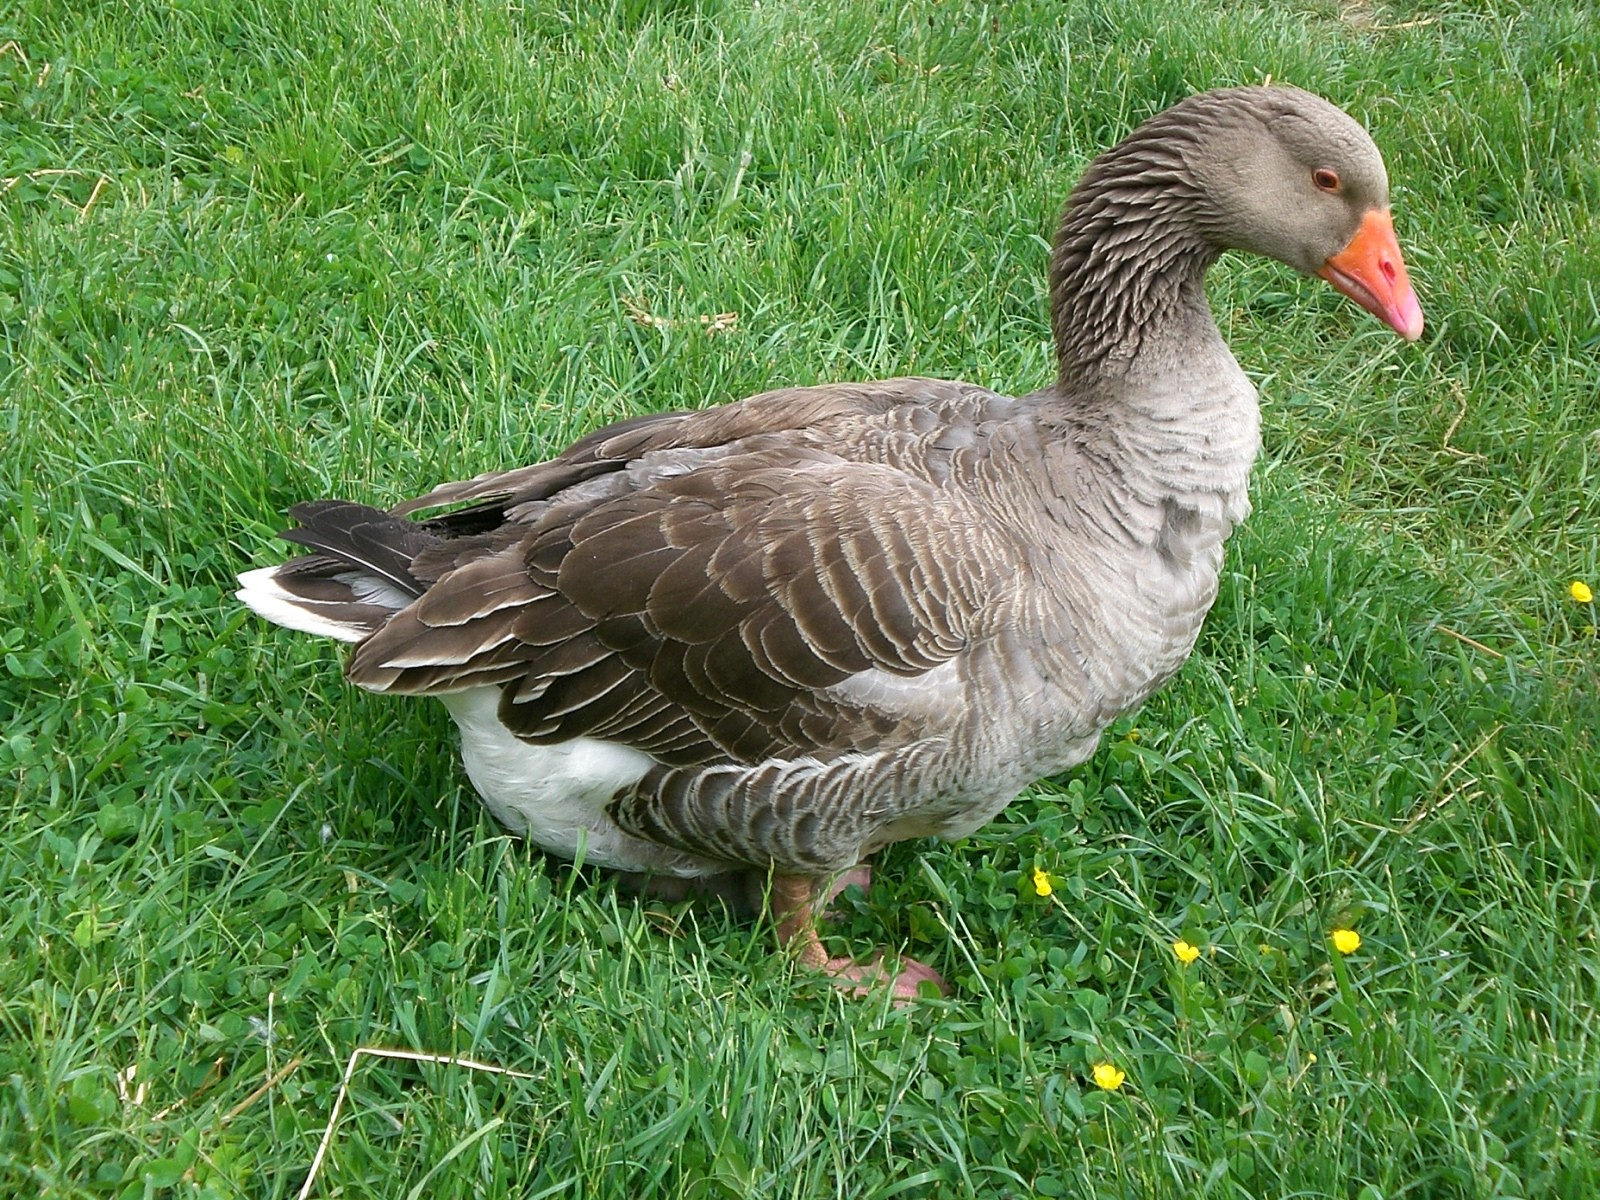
{"x": 715, "y": 323}
{"x": 1466, "y": 641}
{"x": 384, "y": 1052}
{"x": 206, "y": 1084}
{"x": 270, "y": 1082}
{"x": 1424, "y": 812}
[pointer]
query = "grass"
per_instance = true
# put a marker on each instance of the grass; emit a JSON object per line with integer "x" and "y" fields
{"x": 259, "y": 250}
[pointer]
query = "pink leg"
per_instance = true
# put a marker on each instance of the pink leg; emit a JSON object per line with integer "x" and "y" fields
{"x": 795, "y": 904}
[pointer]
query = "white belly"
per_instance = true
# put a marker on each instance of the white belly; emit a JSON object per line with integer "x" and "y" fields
{"x": 556, "y": 796}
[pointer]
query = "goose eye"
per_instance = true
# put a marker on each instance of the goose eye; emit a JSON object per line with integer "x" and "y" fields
{"x": 1325, "y": 179}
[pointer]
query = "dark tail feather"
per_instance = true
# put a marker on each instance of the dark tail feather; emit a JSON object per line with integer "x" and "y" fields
{"x": 364, "y": 537}
{"x": 359, "y": 576}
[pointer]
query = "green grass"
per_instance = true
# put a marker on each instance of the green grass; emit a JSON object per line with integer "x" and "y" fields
{"x": 253, "y": 251}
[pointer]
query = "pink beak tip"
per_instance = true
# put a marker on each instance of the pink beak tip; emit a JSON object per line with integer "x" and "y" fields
{"x": 1408, "y": 320}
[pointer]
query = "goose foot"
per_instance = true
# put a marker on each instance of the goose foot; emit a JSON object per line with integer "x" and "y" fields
{"x": 796, "y": 900}
{"x": 904, "y": 978}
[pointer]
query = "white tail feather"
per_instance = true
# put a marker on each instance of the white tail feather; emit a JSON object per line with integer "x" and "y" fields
{"x": 259, "y": 589}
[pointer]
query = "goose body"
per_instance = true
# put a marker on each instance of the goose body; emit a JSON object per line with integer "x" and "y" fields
{"x": 782, "y": 633}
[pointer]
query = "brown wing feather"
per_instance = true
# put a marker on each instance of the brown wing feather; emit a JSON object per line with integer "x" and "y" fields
{"x": 693, "y": 585}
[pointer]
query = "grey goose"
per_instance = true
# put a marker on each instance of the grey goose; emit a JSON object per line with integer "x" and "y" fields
{"x": 774, "y": 636}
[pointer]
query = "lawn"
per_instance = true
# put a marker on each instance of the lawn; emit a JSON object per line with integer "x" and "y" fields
{"x": 255, "y": 251}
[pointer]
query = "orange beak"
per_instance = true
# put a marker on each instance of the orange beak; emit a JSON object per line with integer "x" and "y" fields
{"x": 1371, "y": 272}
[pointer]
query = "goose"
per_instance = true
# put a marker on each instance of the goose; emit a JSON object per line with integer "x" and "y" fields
{"x": 775, "y": 636}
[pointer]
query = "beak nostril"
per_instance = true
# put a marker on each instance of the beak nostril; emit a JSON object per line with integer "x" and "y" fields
{"x": 1387, "y": 268}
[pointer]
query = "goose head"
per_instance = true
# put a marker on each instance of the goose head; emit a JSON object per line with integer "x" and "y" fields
{"x": 1270, "y": 170}
{"x": 1292, "y": 177}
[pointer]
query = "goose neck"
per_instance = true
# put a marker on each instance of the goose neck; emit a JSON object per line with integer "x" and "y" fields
{"x": 1128, "y": 271}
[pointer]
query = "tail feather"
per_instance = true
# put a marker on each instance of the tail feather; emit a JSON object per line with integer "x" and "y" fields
{"x": 365, "y": 537}
{"x": 359, "y": 577}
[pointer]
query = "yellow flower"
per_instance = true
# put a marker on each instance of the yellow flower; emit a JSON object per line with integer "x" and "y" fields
{"x": 1185, "y": 952}
{"x": 1580, "y": 591}
{"x": 1346, "y": 941}
{"x": 1108, "y": 1077}
{"x": 1041, "y": 882}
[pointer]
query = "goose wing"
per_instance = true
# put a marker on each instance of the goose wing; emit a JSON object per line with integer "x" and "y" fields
{"x": 783, "y": 578}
